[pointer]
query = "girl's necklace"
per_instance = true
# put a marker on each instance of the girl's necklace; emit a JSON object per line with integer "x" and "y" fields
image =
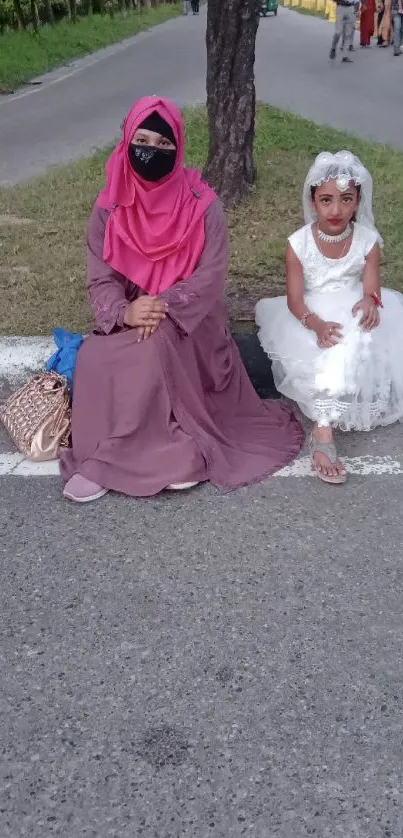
{"x": 325, "y": 237}
{"x": 348, "y": 230}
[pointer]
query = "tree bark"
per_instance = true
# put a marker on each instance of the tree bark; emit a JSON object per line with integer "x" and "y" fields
{"x": 73, "y": 10}
{"x": 231, "y": 99}
{"x": 22, "y": 24}
{"x": 35, "y": 15}
{"x": 49, "y": 12}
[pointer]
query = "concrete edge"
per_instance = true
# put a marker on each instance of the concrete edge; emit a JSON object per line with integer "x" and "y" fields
{"x": 20, "y": 356}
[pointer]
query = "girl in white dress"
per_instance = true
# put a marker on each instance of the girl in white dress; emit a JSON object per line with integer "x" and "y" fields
{"x": 335, "y": 340}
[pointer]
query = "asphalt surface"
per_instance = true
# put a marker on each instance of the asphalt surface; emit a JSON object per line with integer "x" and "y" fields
{"x": 215, "y": 665}
{"x": 80, "y": 107}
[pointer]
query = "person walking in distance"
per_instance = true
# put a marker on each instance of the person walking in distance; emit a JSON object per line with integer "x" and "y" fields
{"x": 367, "y": 22}
{"x": 397, "y": 17}
{"x": 195, "y": 6}
{"x": 346, "y": 15}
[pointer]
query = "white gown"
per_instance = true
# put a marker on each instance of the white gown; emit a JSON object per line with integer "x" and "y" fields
{"x": 357, "y": 384}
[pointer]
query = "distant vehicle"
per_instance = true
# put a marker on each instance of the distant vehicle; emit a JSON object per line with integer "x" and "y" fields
{"x": 268, "y": 7}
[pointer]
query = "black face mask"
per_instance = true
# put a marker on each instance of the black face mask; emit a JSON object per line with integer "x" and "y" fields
{"x": 152, "y": 163}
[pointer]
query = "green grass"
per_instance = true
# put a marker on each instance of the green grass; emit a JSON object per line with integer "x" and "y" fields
{"x": 24, "y": 55}
{"x": 41, "y": 229}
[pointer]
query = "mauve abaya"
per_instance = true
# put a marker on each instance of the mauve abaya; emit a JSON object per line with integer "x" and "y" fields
{"x": 178, "y": 406}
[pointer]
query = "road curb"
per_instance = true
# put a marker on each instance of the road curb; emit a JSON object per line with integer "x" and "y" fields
{"x": 20, "y": 357}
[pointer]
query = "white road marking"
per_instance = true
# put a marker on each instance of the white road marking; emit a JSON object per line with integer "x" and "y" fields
{"x": 364, "y": 466}
{"x": 15, "y": 465}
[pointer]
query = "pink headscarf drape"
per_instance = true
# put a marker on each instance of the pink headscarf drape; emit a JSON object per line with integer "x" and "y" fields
{"x": 155, "y": 231}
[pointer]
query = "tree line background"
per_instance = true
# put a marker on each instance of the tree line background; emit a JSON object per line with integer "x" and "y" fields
{"x": 32, "y": 14}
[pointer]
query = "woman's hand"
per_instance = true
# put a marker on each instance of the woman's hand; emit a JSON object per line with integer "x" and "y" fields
{"x": 146, "y": 313}
{"x": 370, "y": 313}
{"x": 328, "y": 334}
{"x": 145, "y": 332}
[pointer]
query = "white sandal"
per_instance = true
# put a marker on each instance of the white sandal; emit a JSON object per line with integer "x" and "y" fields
{"x": 330, "y": 451}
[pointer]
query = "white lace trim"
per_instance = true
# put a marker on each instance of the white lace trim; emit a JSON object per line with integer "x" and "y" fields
{"x": 352, "y": 416}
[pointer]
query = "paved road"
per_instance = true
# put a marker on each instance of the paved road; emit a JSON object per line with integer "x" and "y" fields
{"x": 81, "y": 107}
{"x": 210, "y": 666}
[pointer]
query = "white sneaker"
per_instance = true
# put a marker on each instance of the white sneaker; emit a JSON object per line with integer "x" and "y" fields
{"x": 179, "y": 487}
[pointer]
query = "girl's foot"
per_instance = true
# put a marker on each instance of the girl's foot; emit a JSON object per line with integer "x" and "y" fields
{"x": 324, "y": 457}
{"x": 81, "y": 490}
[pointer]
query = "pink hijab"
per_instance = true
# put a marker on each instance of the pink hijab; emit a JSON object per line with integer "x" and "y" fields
{"x": 155, "y": 231}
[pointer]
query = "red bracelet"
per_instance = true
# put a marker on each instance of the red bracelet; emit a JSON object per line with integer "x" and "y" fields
{"x": 377, "y": 300}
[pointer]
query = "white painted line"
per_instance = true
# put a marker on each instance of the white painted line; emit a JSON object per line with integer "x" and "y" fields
{"x": 16, "y": 466}
{"x": 27, "y": 468}
{"x": 364, "y": 466}
{"x": 8, "y": 462}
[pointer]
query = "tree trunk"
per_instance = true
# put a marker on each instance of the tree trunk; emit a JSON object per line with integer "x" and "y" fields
{"x": 231, "y": 99}
{"x": 49, "y": 12}
{"x": 35, "y": 16}
{"x": 73, "y": 10}
{"x": 22, "y": 24}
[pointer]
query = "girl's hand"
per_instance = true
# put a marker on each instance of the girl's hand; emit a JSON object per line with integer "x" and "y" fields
{"x": 328, "y": 334}
{"x": 145, "y": 312}
{"x": 370, "y": 314}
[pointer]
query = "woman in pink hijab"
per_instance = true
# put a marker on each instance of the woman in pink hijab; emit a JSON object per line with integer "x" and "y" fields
{"x": 161, "y": 398}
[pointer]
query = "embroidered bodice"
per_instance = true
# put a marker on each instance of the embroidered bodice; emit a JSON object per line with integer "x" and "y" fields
{"x": 324, "y": 274}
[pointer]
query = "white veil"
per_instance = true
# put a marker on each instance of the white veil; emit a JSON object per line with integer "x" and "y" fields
{"x": 345, "y": 167}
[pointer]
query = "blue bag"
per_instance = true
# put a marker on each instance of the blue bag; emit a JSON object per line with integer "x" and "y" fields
{"x": 63, "y": 361}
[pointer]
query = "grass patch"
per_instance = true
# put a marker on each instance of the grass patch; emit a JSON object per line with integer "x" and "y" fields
{"x": 41, "y": 225}
{"x": 24, "y": 55}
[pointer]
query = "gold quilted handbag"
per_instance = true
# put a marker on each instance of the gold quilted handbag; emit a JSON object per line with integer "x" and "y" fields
{"x": 38, "y": 416}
